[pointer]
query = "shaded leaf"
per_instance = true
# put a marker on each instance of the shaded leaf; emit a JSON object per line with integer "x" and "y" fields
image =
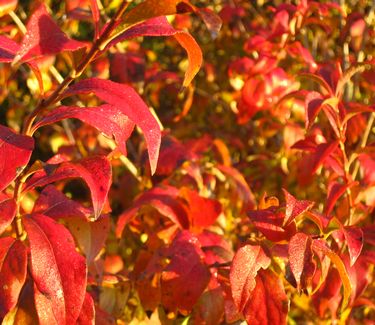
{"x": 270, "y": 223}
{"x": 106, "y": 118}
{"x": 90, "y": 235}
{"x": 95, "y": 171}
{"x": 52, "y": 203}
{"x": 210, "y": 307}
{"x": 186, "y": 276}
{"x": 301, "y": 259}
{"x": 246, "y": 263}
{"x": 313, "y": 105}
{"x": 8, "y": 49}
{"x": 7, "y": 213}
{"x": 354, "y": 240}
{"x": 87, "y": 315}
{"x": 13, "y": 269}
{"x": 164, "y": 200}
{"x": 160, "y": 27}
{"x": 44, "y": 37}
{"x": 130, "y": 104}
{"x": 268, "y": 304}
{"x": 17, "y": 148}
{"x": 58, "y": 271}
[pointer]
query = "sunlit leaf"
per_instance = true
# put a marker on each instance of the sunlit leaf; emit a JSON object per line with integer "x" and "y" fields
{"x": 58, "y": 271}
{"x": 129, "y": 103}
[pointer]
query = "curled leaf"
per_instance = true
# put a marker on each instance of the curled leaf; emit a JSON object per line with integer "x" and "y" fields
{"x": 129, "y": 103}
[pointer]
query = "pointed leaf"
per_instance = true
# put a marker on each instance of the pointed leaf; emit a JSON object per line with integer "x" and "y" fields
{"x": 7, "y": 213}
{"x": 106, "y": 118}
{"x": 186, "y": 276}
{"x": 294, "y": 207}
{"x": 354, "y": 240}
{"x": 90, "y": 235}
{"x": 268, "y": 304}
{"x": 323, "y": 150}
{"x": 44, "y": 37}
{"x": 313, "y": 105}
{"x": 95, "y": 171}
{"x": 17, "y": 149}
{"x": 246, "y": 263}
{"x": 154, "y": 8}
{"x": 13, "y": 269}
{"x": 58, "y": 271}
{"x": 270, "y": 223}
{"x": 130, "y": 104}
{"x": 335, "y": 191}
{"x": 160, "y": 27}
{"x": 301, "y": 259}
{"x": 320, "y": 246}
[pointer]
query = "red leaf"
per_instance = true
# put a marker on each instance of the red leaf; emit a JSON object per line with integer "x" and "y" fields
{"x": 13, "y": 269}
{"x": 335, "y": 191}
{"x": 87, "y": 315}
{"x": 267, "y": 304}
{"x": 294, "y": 207}
{"x": 354, "y": 240}
{"x": 320, "y": 247}
{"x": 130, "y": 104}
{"x": 44, "y": 37}
{"x": 55, "y": 204}
{"x": 8, "y": 49}
{"x": 17, "y": 149}
{"x": 186, "y": 276}
{"x": 301, "y": 259}
{"x": 90, "y": 235}
{"x": 202, "y": 212}
{"x": 95, "y": 16}
{"x": 95, "y": 171}
{"x": 160, "y": 27}
{"x": 59, "y": 272}
{"x": 245, "y": 266}
{"x": 106, "y": 118}
{"x": 270, "y": 223}
{"x": 313, "y": 105}
{"x": 164, "y": 200}
{"x": 322, "y": 151}
{"x": 7, "y": 212}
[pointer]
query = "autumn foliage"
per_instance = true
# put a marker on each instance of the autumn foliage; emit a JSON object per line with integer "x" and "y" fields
{"x": 175, "y": 162}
